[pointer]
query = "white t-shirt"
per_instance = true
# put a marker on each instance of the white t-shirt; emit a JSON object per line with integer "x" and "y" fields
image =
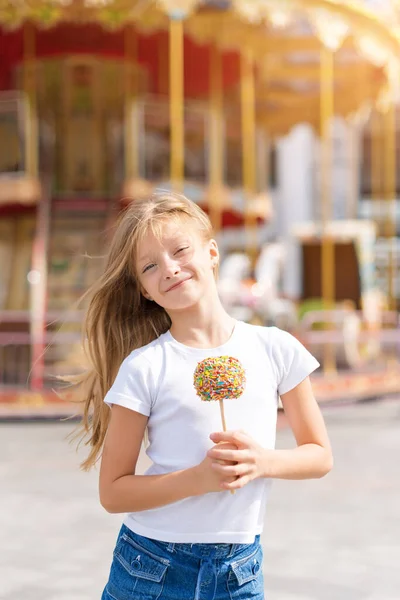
{"x": 157, "y": 380}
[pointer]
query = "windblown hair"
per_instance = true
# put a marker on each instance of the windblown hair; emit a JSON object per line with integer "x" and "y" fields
{"x": 119, "y": 318}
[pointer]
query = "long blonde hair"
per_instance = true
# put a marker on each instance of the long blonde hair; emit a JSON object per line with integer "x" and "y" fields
{"x": 119, "y": 318}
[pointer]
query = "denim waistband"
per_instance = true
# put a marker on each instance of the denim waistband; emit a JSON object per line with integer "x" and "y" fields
{"x": 211, "y": 550}
{"x": 198, "y": 550}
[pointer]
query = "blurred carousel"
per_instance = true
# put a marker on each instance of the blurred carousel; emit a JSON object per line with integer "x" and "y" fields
{"x": 103, "y": 101}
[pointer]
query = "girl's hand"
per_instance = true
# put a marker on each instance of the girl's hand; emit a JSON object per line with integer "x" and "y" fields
{"x": 208, "y": 479}
{"x": 240, "y": 465}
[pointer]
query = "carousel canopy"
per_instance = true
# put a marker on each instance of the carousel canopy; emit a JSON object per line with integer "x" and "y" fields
{"x": 284, "y": 36}
{"x": 371, "y": 22}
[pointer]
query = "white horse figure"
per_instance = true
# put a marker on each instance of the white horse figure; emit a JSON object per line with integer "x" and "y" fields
{"x": 269, "y": 272}
{"x": 235, "y": 268}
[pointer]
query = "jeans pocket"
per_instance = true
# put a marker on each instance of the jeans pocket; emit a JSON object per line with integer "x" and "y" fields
{"x": 136, "y": 573}
{"x": 245, "y": 580}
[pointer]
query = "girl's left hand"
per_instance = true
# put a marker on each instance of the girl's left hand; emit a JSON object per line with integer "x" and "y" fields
{"x": 249, "y": 458}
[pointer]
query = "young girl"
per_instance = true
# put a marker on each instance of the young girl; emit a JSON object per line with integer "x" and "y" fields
{"x": 193, "y": 523}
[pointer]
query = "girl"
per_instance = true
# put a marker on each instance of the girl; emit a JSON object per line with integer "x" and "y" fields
{"x": 153, "y": 316}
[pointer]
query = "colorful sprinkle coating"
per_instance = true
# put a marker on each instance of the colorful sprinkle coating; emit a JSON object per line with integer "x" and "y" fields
{"x": 219, "y": 378}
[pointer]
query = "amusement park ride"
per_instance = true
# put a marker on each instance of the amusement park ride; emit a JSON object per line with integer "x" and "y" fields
{"x": 102, "y": 101}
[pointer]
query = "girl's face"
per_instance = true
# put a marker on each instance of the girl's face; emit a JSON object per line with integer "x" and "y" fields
{"x": 176, "y": 269}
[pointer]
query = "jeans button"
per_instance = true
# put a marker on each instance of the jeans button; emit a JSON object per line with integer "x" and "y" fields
{"x": 256, "y": 568}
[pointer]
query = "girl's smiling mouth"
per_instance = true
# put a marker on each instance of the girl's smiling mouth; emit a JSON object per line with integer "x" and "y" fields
{"x": 178, "y": 284}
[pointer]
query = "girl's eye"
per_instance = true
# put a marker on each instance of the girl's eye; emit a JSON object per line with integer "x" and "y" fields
{"x": 148, "y": 267}
{"x": 181, "y": 249}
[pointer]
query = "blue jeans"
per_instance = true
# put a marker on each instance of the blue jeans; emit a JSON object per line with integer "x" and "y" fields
{"x": 146, "y": 569}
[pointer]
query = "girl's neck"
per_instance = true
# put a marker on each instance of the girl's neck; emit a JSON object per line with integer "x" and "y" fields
{"x": 205, "y": 329}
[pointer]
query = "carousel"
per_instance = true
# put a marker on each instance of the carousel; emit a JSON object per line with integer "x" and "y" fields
{"x": 102, "y": 101}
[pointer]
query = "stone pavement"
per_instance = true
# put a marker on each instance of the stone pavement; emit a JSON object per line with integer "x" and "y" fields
{"x": 337, "y": 538}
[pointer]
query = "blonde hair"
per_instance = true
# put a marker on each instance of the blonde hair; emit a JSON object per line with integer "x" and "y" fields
{"x": 119, "y": 318}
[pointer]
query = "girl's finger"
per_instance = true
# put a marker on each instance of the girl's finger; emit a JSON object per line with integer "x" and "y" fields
{"x": 231, "y": 471}
{"x": 234, "y": 437}
{"x": 231, "y": 455}
{"x": 237, "y": 484}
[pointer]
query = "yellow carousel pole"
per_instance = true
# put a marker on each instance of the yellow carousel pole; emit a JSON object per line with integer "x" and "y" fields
{"x": 31, "y": 125}
{"x": 131, "y": 133}
{"x": 248, "y": 120}
{"x": 328, "y": 248}
{"x": 176, "y": 95}
{"x": 216, "y": 153}
{"x": 389, "y": 122}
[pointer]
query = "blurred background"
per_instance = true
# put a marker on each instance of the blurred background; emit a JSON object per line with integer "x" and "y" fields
{"x": 280, "y": 118}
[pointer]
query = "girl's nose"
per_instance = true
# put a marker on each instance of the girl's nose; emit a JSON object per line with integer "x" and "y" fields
{"x": 171, "y": 269}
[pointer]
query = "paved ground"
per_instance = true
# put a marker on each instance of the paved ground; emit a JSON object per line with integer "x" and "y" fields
{"x": 332, "y": 539}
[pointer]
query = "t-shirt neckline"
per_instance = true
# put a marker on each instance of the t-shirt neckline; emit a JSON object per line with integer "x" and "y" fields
{"x": 203, "y": 351}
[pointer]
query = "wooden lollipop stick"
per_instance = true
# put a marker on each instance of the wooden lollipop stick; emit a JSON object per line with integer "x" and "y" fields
{"x": 221, "y": 406}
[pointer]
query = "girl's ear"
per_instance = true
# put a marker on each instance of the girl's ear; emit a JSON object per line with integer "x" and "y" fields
{"x": 214, "y": 252}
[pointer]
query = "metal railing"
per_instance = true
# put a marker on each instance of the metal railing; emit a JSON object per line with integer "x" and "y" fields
{"x": 60, "y": 350}
{"x": 62, "y": 342}
{"x": 357, "y": 342}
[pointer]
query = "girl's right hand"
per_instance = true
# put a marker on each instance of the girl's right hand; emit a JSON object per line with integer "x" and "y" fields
{"x": 210, "y": 480}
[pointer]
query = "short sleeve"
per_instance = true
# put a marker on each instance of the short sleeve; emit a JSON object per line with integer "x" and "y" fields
{"x": 132, "y": 387}
{"x": 294, "y": 361}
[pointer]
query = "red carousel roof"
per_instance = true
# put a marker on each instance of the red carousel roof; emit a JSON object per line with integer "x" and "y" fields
{"x": 91, "y": 38}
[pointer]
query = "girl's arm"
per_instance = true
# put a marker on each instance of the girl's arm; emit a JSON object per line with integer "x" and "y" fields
{"x": 311, "y": 459}
{"x": 313, "y": 456}
{"x": 122, "y": 491}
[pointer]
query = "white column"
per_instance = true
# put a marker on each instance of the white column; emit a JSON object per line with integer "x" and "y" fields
{"x": 345, "y": 174}
{"x": 294, "y": 198}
